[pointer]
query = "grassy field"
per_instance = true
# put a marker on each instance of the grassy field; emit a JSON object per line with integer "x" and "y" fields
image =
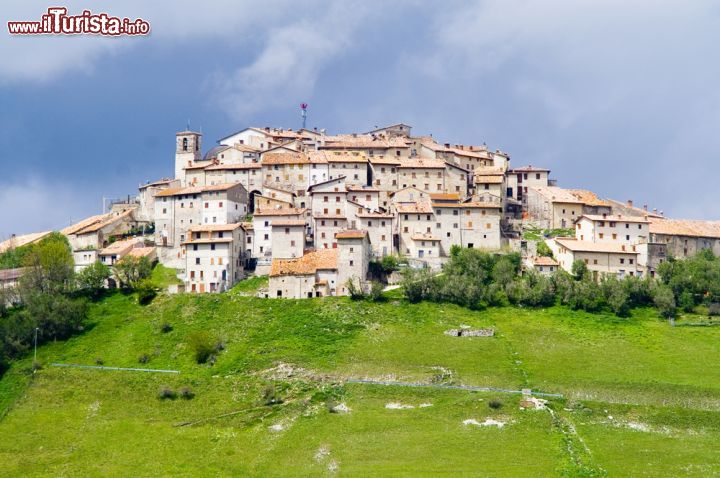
{"x": 640, "y": 397}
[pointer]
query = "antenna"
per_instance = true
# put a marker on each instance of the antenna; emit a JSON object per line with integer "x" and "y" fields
{"x": 188, "y": 125}
{"x": 303, "y": 113}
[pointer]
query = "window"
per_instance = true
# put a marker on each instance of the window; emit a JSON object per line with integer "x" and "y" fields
{"x": 185, "y": 144}
{"x": 197, "y": 261}
{"x": 352, "y": 263}
{"x": 292, "y": 243}
{"x": 267, "y": 236}
{"x": 630, "y": 261}
{"x": 212, "y": 247}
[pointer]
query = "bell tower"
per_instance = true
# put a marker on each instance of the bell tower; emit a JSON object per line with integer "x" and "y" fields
{"x": 187, "y": 150}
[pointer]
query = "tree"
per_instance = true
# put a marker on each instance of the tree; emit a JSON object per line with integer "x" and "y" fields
{"x": 504, "y": 271}
{"x": 50, "y": 267}
{"x": 417, "y": 284}
{"x": 580, "y": 270}
{"x": 130, "y": 270}
{"x": 665, "y": 301}
{"x": 93, "y": 278}
{"x": 543, "y": 250}
{"x": 616, "y": 296}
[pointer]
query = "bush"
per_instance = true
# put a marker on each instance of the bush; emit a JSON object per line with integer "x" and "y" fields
{"x": 167, "y": 393}
{"x": 376, "y": 290}
{"x": 92, "y": 279}
{"x": 495, "y": 404}
{"x": 714, "y": 309}
{"x": 270, "y": 395}
{"x": 166, "y": 328}
{"x": 146, "y": 292}
{"x": 99, "y": 361}
{"x": 144, "y": 358}
{"x": 543, "y": 250}
{"x": 580, "y": 270}
{"x": 354, "y": 290}
{"x": 203, "y": 346}
{"x": 686, "y": 301}
{"x": 187, "y": 393}
{"x": 665, "y": 301}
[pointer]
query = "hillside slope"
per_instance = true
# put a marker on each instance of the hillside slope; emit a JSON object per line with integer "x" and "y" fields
{"x": 640, "y": 397}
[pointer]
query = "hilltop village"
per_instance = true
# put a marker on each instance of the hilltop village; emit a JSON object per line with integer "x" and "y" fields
{"x": 312, "y": 210}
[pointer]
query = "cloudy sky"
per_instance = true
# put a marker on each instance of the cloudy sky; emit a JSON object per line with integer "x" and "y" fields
{"x": 619, "y": 97}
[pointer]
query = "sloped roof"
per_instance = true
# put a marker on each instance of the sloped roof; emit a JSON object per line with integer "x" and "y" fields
{"x": 23, "y": 240}
{"x": 308, "y": 264}
{"x": 556, "y": 194}
{"x": 685, "y": 227}
{"x": 588, "y": 197}
{"x": 351, "y": 234}
{"x": 588, "y": 246}
{"x": 543, "y": 261}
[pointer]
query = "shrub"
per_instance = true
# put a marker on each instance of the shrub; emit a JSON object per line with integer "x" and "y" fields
{"x": 146, "y": 292}
{"x": 354, "y": 290}
{"x": 714, "y": 309}
{"x": 202, "y": 345}
{"x": 166, "y": 327}
{"x": 495, "y": 404}
{"x": 92, "y": 278}
{"x": 580, "y": 270}
{"x": 187, "y": 393}
{"x": 686, "y": 301}
{"x": 270, "y": 395}
{"x": 543, "y": 250}
{"x": 144, "y": 358}
{"x": 665, "y": 301}
{"x": 376, "y": 290}
{"x": 167, "y": 393}
{"x": 99, "y": 361}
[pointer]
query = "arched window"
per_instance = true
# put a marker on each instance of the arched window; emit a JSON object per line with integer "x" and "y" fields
{"x": 185, "y": 144}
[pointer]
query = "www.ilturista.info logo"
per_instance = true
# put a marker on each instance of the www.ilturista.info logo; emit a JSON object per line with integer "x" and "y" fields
{"x": 58, "y": 22}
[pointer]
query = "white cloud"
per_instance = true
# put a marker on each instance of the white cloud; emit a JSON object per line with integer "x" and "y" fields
{"x": 289, "y": 64}
{"x": 33, "y": 204}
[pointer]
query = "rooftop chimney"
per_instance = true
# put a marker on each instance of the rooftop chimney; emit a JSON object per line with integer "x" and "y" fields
{"x": 645, "y": 207}
{"x": 655, "y": 210}
{"x": 629, "y": 203}
{"x": 447, "y": 145}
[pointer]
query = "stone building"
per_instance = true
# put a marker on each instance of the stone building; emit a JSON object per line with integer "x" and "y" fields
{"x": 213, "y": 257}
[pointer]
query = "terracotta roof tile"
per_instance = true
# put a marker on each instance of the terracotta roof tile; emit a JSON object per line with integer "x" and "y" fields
{"x": 351, "y": 234}
{"x": 685, "y": 227}
{"x": 308, "y": 264}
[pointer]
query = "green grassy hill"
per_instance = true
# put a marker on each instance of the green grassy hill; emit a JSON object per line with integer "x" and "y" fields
{"x": 641, "y": 398}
